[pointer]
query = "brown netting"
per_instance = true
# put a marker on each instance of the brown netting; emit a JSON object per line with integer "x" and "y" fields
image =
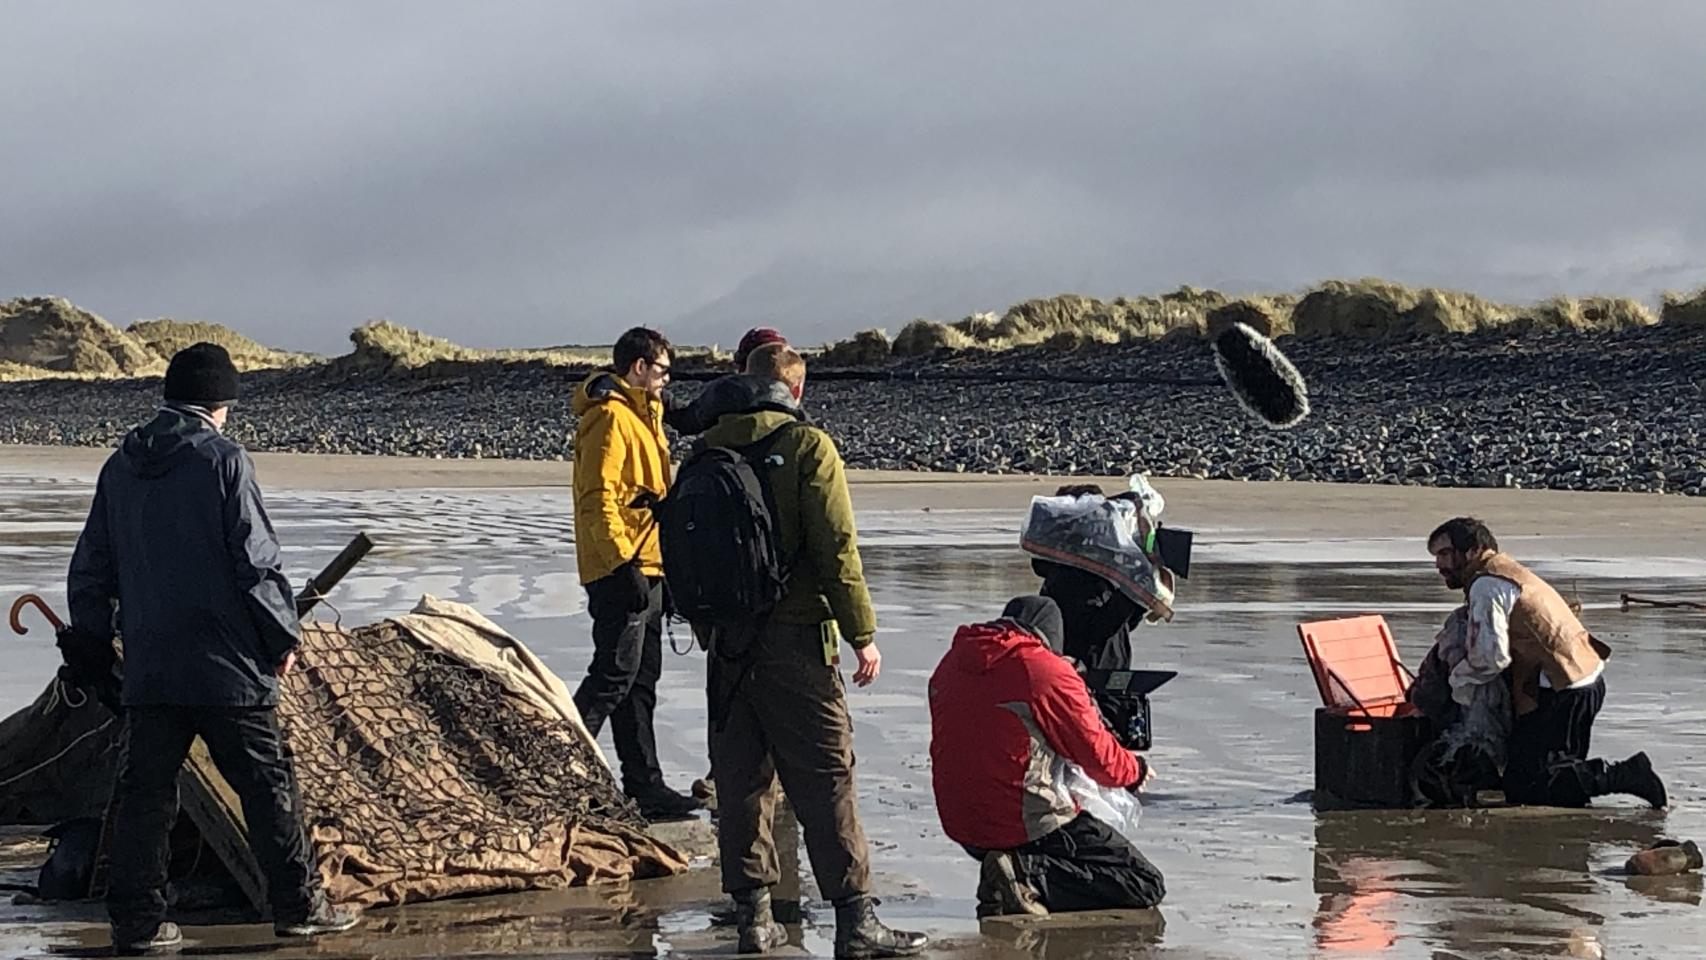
{"x": 423, "y": 776}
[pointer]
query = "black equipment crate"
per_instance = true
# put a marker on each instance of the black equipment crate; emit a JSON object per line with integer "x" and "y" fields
{"x": 1367, "y": 736}
{"x": 1364, "y": 761}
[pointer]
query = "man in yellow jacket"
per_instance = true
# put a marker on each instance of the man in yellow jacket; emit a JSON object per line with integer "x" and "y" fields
{"x": 621, "y": 463}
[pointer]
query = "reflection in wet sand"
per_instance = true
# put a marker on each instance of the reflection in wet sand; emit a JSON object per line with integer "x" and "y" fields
{"x": 1251, "y": 872}
{"x": 1520, "y": 880}
{"x": 1099, "y": 933}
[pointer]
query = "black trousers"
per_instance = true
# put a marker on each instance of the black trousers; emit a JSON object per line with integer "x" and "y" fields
{"x": 621, "y": 683}
{"x": 251, "y": 754}
{"x": 1547, "y": 762}
{"x": 1085, "y": 865}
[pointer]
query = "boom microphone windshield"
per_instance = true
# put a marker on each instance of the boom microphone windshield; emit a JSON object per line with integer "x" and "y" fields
{"x": 1264, "y": 381}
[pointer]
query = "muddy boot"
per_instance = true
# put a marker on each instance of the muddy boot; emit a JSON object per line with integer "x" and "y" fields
{"x": 1665, "y": 858}
{"x": 705, "y": 791}
{"x": 660, "y": 804}
{"x": 323, "y": 919}
{"x": 859, "y": 935}
{"x": 757, "y": 928}
{"x": 165, "y": 938}
{"x": 1000, "y": 891}
{"x": 1635, "y": 776}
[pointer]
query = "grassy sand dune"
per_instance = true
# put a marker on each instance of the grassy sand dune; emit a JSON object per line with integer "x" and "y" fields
{"x": 166, "y": 337}
{"x": 390, "y": 349}
{"x": 382, "y": 346}
{"x": 52, "y": 338}
{"x": 1687, "y": 312}
{"x": 54, "y": 335}
{"x": 1369, "y": 309}
{"x": 49, "y": 337}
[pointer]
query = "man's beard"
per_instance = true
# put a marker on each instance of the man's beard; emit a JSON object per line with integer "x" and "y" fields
{"x": 1453, "y": 580}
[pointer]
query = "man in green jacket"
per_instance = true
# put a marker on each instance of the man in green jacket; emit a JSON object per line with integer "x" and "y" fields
{"x": 782, "y": 710}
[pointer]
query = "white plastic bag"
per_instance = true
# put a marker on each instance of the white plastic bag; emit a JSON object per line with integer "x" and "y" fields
{"x": 1105, "y": 537}
{"x": 1147, "y": 495}
{"x": 1114, "y": 806}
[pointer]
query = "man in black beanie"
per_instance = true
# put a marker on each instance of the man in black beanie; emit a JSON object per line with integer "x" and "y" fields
{"x": 179, "y": 559}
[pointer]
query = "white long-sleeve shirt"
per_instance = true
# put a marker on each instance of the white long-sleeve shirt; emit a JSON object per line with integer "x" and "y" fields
{"x": 1491, "y": 600}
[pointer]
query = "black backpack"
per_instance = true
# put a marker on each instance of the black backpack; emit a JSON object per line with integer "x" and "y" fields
{"x": 722, "y": 548}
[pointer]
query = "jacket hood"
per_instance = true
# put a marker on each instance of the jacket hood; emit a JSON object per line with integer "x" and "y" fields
{"x": 978, "y": 647}
{"x": 745, "y": 393}
{"x": 153, "y": 448}
{"x": 603, "y": 386}
{"x": 1039, "y": 615}
{"x": 740, "y": 429}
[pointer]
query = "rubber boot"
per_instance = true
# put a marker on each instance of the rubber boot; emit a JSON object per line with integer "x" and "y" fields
{"x": 324, "y": 918}
{"x": 859, "y": 935}
{"x": 661, "y": 804}
{"x": 1000, "y": 890}
{"x": 1635, "y": 776}
{"x": 165, "y": 938}
{"x": 756, "y": 926}
{"x": 705, "y": 791}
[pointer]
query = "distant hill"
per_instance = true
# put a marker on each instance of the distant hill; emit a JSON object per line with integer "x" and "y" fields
{"x": 813, "y": 304}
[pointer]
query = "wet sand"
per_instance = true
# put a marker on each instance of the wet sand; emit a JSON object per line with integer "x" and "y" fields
{"x": 1621, "y": 523}
{"x": 1252, "y": 870}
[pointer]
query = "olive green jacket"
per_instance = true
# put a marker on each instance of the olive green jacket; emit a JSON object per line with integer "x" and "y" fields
{"x": 815, "y": 521}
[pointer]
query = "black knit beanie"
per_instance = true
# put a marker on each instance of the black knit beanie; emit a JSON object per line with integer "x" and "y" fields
{"x": 202, "y": 374}
{"x": 1039, "y": 615}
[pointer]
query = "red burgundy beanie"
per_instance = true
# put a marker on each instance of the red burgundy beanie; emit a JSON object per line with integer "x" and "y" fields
{"x": 755, "y": 338}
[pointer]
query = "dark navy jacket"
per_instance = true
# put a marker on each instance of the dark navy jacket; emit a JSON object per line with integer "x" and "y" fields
{"x": 178, "y": 539}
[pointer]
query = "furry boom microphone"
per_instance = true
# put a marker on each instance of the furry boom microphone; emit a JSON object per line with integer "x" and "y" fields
{"x": 1261, "y": 377}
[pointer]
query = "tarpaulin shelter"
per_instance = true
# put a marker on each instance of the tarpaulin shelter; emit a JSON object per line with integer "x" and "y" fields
{"x": 437, "y": 757}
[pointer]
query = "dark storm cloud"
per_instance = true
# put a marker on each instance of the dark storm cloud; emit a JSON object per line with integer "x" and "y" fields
{"x": 521, "y": 173}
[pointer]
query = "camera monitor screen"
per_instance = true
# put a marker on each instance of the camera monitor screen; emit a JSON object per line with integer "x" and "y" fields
{"x": 1132, "y": 682}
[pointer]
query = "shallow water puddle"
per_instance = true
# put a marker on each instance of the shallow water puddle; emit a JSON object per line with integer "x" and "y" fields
{"x": 1251, "y": 870}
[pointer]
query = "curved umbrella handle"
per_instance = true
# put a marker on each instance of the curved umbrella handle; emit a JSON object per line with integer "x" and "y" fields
{"x": 30, "y": 599}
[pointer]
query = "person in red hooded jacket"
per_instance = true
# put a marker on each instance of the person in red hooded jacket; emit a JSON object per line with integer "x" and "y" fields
{"x": 1003, "y": 705}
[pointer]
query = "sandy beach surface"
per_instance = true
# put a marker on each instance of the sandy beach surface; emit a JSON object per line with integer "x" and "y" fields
{"x": 1565, "y": 520}
{"x": 1252, "y": 869}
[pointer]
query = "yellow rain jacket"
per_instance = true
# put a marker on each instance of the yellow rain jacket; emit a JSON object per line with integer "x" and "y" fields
{"x": 620, "y": 452}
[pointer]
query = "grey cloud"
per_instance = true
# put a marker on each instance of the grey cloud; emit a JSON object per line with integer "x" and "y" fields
{"x": 546, "y": 172}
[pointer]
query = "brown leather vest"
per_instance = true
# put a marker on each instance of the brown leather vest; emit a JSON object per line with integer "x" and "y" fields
{"x": 1545, "y": 635}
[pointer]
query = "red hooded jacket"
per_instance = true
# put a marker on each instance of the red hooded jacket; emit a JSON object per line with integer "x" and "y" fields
{"x": 1002, "y": 707}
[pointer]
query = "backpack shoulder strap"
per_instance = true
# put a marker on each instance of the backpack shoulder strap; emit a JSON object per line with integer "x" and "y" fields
{"x": 755, "y": 454}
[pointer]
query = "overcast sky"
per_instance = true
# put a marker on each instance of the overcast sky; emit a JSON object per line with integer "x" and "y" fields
{"x": 513, "y": 173}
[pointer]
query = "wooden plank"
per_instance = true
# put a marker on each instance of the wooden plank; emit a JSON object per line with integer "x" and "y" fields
{"x": 218, "y": 816}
